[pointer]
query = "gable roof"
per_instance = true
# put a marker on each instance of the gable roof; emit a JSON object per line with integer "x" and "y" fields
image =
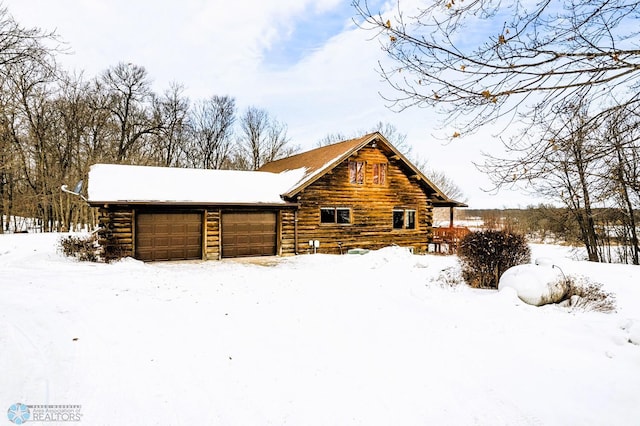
{"x": 113, "y": 183}
{"x": 320, "y": 161}
{"x": 275, "y": 183}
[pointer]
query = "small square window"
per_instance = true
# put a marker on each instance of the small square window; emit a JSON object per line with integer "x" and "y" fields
{"x": 356, "y": 172}
{"x": 327, "y": 215}
{"x": 343, "y": 215}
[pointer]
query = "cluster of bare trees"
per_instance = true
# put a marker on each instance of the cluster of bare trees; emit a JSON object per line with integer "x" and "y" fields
{"x": 54, "y": 125}
{"x": 591, "y": 164}
{"x": 561, "y": 75}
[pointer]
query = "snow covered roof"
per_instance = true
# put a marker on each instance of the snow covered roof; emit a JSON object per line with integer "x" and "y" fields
{"x": 111, "y": 183}
{"x": 274, "y": 183}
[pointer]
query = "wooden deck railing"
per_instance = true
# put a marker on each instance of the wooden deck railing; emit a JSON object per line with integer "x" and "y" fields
{"x": 446, "y": 240}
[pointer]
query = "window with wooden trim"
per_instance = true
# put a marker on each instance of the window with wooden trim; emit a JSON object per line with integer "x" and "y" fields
{"x": 404, "y": 219}
{"x": 356, "y": 172}
{"x": 335, "y": 215}
{"x": 379, "y": 173}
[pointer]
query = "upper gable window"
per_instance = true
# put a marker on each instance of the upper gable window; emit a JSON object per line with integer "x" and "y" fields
{"x": 379, "y": 173}
{"x": 356, "y": 172}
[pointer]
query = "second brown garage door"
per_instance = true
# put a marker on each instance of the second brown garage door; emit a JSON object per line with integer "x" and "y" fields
{"x": 248, "y": 234}
{"x": 168, "y": 236}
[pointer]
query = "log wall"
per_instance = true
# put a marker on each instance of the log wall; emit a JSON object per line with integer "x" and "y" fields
{"x": 116, "y": 231}
{"x": 371, "y": 207}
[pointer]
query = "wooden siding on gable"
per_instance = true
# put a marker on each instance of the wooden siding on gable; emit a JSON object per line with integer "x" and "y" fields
{"x": 371, "y": 205}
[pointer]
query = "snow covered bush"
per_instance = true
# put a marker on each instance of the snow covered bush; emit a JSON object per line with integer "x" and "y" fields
{"x": 83, "y": 248}
{"x": 485, "y": 255}
{"x": 448, "y": 277}
{"x": 585, "y": 295}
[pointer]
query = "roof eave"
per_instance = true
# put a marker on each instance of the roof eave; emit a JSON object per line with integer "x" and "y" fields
{"x": 448, "y": 203}
{"x": 285, "y": 204}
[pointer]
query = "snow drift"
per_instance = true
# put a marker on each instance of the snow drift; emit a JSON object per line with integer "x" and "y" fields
{"x": 313, "y": 340}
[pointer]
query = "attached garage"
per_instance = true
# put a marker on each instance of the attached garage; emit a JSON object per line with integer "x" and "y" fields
{"x": 168, "y": 236}
{"x": 249, "y": 234}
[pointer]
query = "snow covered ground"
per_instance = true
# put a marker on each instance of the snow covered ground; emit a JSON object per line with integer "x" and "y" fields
{"x": 309, "y": 340}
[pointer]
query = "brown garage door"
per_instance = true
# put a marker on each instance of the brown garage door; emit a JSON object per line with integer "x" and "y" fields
{"x": 168, "y": 236}
{"x": 248, "y": 234}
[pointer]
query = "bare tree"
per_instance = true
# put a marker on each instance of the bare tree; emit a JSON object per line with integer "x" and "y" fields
{"x": 564, "y": 166}
{"x": 277, "y": 143}
{"x": 9, "y": 164}
{"x": 23, "y": 45}
{"x": 98, "y": 146}
{"x": 172, "y": 111}
{"x": 20, "y": 49}
{"x": 73, "y": 117}
{"x": 211, "y": 122}
{"x": 621, "y": 134}
{"x": 524, "y": 54}
{"x": 253, "y": 127}
{"x": 388, "y": 130}
{"x": 31, "y": 85}
{"x": 331, "y": 138}
{"x": 130, "y": 93}
{"x": 445, "y": 184}
{"x": 262, "y": 139}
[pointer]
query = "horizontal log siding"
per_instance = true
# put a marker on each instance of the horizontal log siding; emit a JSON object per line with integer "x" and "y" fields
{"x": 212, "y": 250}
{"x": 116, "y": 231}
{"x": 371, "y": 208}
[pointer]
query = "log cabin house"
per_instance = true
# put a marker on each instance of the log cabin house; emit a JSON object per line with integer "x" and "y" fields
{"x": 360, "y": 193}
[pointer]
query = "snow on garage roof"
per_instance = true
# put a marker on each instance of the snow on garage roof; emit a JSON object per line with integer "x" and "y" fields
{"x": 110, "y": 183}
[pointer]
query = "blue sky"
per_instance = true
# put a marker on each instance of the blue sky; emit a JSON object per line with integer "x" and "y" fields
{"x": 304, "y": 61}
{"x": 309, "y": 33}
